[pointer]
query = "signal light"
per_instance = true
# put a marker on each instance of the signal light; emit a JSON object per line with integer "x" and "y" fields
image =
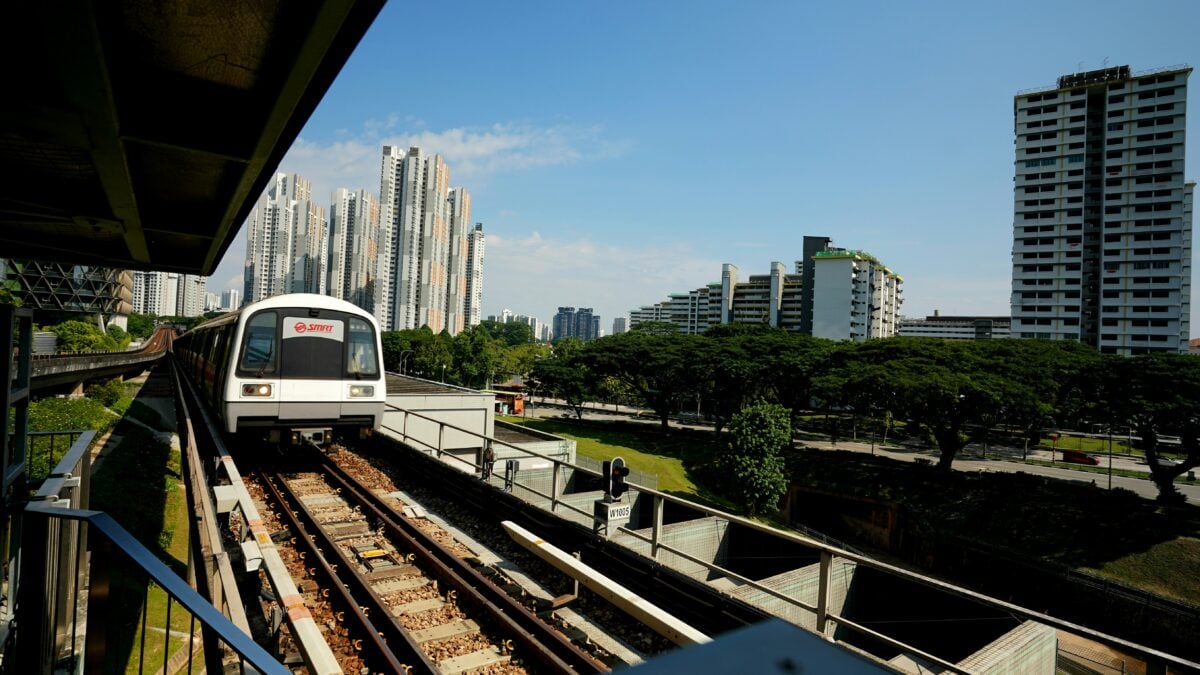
{"x": 613, "y": 475}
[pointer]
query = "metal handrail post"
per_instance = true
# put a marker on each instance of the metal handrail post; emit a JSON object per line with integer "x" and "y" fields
{"x": 823, "y": 594}
{"x": 656, "y": 528}
{"x": 34, "y": 632}
{"x": 554, "y": 488}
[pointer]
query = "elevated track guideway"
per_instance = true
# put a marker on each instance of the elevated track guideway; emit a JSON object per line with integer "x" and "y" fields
{"x": 58, "y": 370}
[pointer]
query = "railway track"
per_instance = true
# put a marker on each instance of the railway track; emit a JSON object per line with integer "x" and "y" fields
{"x": 401, "y": 594}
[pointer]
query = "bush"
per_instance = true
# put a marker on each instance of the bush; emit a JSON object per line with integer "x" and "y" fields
{"x": 60, "y": 414}
{"x": 107, "y": 393}
{"x": 753, "y": 466}
{"x": 81, "y": 336}
{"x": 119, "y": 336}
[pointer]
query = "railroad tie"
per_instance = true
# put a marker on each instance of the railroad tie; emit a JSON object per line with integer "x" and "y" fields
{"x": 475, "y": 660}
{"x": 418, "y": 606}
{"x": 445, "y": 631}
{"x": 396, "y": 585}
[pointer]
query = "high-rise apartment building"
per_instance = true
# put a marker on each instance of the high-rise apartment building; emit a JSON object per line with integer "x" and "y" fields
{"x": 424, "y": 242}
{"x": 456, "y": 269}
{"x": 286, "y": 246}
{"x": 474, "y": 299}
{"x": 854, "y": 296}
{"x": 581, "y": 323}
{"x": 354, "y": 263}
{"x": 1102, "y": 219}
{"x": 620, "y": 325}
{"x": 169, "y": 293}
{"x": 834, "y": 293}
{"x": 231, "y": 300}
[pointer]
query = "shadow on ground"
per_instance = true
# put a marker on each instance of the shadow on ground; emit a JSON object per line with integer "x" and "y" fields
{"x": 131, "y": 485}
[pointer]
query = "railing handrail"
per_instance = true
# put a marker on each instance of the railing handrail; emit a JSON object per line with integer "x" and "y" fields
{"x": 170, "y": 582}
{"x": 857, "y": 558}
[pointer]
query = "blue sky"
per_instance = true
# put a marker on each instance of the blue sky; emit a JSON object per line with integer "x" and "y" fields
{"x": 619, "y": 151}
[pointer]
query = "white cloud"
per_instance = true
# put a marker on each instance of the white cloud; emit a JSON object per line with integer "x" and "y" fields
{"x": 472, "y": 153}
{"x": 535, "y": 275}
{"x": 351, "y": 160}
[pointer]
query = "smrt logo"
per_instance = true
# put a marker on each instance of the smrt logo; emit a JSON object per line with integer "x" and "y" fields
{"x": 302, "y": 327}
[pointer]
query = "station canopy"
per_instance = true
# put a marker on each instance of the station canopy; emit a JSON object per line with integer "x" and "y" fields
{"x": 139, "y": 134}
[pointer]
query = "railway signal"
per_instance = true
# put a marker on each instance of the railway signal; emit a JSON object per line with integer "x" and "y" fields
{"x": 613, "y": 473}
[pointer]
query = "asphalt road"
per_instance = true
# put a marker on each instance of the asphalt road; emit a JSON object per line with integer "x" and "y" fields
{"x": 970, "y": 459}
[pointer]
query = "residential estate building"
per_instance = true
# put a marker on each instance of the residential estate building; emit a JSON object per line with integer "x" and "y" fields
{"x": 956, "y": 327}
{"x": 286, "y": 247}
{"x": 1102, "y": 212}
{"x": 834, "y": 293}
{"x": 473, "y": 302}
{"x": 425, "y": 243}
{"x": 169, "y": 293}
{"x": 353, "y": 265}
{"x": 577, "y": 323}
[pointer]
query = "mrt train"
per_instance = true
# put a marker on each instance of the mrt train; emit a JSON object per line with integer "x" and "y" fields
{"x": 290, "y": 368}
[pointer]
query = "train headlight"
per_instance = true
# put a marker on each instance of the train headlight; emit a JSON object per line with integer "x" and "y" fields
{"x": 362, "y": 390}
{"x": 256, "y": 390}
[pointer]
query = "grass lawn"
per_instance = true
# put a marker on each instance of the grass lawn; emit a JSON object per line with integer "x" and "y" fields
{"x": 1161, "y": 568}
{"x": 644, "y": 447}
{"x": 159, "y": 519}
{"x": 662, "y": 456}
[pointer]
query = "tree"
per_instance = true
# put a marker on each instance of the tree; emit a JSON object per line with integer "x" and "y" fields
{"x": 519, "y": 360}
{"x": 1155, "y": 394}
{"x": 753, "y": 465}
{"x": 939, "y": 385}
{"x": 566, "y": 378}
{"x": 119, "y": 336}
{"x": 512, "y": 333}
{"x": 141, "y": 326}
{"x": 476, "y": 356}
{"x": 432, "y": 354}
{"x": 736, "y": 375}
{"x": 663, "y": 370}
{"x": 81, "y": 336}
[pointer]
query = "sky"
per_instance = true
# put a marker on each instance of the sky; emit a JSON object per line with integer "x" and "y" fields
{"x": 620, "y": 151}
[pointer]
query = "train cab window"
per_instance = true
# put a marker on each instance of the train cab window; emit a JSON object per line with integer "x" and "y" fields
{"x": 361, "y": 360}
{"x": 313, "y": 347}
{"x": 258, "y": 355}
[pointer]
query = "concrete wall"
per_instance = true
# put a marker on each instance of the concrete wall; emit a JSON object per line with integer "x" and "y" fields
{"x": 465, "y": 410}
{"x": 1029, "y": 648}
{"x": 803, "y": 584}
{"x": 703, "y": 539}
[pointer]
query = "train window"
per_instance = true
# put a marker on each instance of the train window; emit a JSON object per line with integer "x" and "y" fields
{"x": 313, "y": 346}
{"x": 361, "y": 359}
{"x": 259, "y": 354}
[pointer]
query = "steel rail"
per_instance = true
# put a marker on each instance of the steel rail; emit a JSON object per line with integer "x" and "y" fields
{"x": 385, "y": 638}
{"x": 545, "y": 645}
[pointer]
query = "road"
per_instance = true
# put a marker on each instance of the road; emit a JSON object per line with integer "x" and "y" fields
{"x": 970, "y": 459}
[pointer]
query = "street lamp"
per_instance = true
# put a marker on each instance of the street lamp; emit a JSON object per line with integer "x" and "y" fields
{"x": 443, "y": 373}
{"x": 404, "y": 355}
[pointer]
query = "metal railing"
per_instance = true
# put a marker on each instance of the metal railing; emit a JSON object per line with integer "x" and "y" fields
{"x": 91, "y": 598}
{"x": 826, "y": 618}
{"x": 46, "y": 448}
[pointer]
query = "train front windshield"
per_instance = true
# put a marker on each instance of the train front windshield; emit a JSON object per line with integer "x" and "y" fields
{"x": 328, "y": 346}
